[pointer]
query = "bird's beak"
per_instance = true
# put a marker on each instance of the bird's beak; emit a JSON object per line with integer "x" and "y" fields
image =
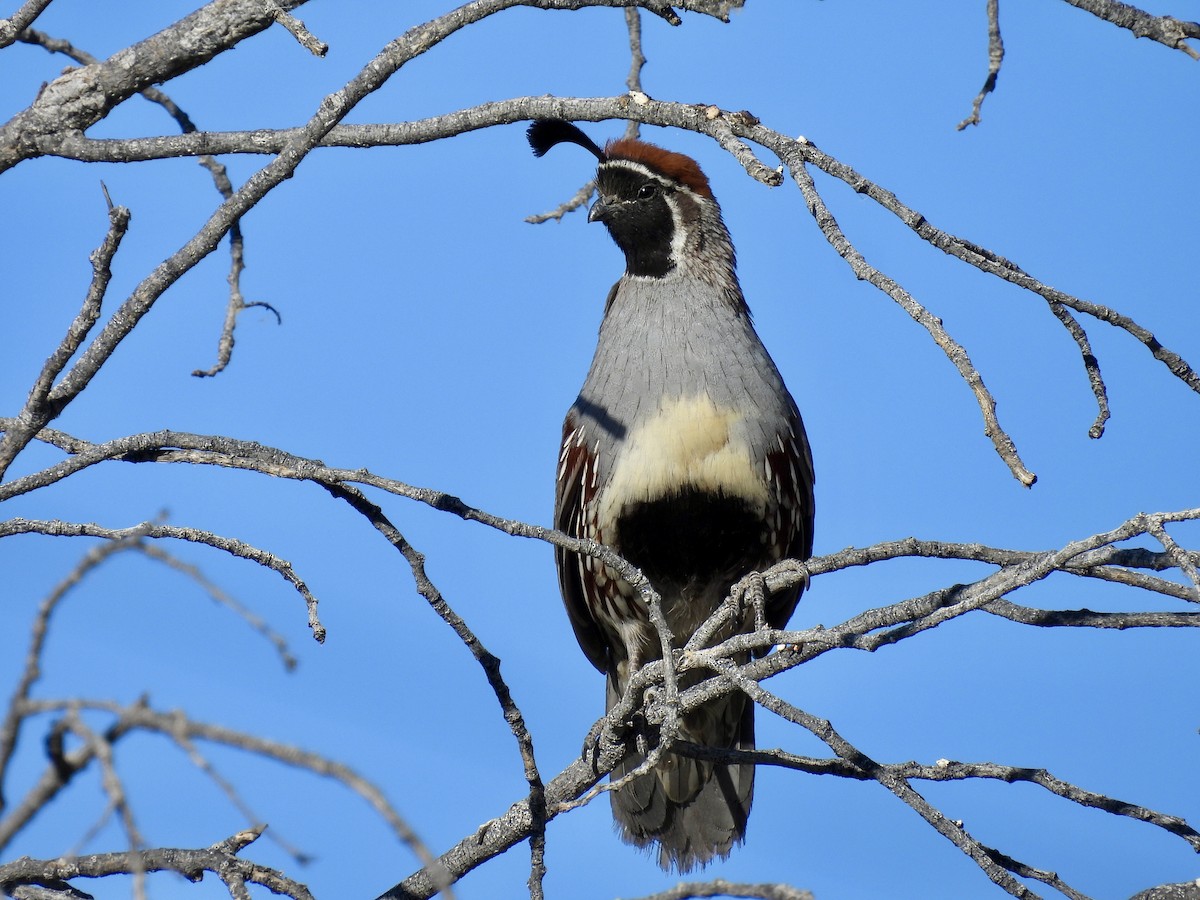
{"x": 601, "y": 211}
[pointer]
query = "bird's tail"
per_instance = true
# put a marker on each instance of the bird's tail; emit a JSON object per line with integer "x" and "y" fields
{"x": 694, "y": 810}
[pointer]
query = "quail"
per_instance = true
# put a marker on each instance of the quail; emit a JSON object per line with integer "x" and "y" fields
{"x": 685, "y": 453}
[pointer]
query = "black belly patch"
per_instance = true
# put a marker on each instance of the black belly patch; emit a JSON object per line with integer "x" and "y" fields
{"x": 692, "y": 539}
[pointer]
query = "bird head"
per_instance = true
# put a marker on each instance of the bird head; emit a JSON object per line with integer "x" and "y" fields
{"x": 656, "y": 203}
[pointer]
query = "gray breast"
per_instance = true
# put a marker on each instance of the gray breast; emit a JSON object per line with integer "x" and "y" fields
{"x": 681, "y": 394}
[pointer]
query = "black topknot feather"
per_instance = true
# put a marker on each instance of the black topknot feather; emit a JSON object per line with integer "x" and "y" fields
{"x": 545, "y": 133}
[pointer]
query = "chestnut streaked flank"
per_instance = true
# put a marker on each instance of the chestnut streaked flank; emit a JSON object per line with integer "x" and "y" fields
{"x": 686, "y": 454}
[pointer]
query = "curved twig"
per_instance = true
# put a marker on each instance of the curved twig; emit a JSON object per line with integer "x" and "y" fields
{"x": 1090, "y": 365}
{"x": 222, "y": 598}
{"x": 982, "y": 259}
{"x": 954, "y": 351}
{"x": 995, "y": 60}
{"x": 233, "y": 546}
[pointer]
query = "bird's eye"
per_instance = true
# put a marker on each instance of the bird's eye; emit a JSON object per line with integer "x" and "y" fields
{"x": 647, "y": 190}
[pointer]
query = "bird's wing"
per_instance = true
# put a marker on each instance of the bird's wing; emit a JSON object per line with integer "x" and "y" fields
{"x": 573, "y": 491}
{"x": 792, "y": 477}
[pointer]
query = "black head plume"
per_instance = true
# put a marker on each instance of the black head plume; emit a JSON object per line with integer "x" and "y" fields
{"x": 545, "y": 133}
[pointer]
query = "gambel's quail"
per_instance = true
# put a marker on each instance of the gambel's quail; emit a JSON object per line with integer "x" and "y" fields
{"x": 685, "y": 453}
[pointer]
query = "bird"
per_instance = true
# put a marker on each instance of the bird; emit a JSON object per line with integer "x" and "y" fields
{"x": 685, "y": 453}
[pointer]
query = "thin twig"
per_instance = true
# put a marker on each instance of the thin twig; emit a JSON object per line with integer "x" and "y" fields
{"x": 201, "y": 762}
{"x": 39, "y": 407}
{"x": 578, "y": 200}
{"x": 221, "y": 597}
{"x": 954, "y": 351}
{"x": 1025, "y": 870}
{"x": 32, "y": 670}
{"x": 114, "y": 788}
{"x": 224, "y": 186}
{"x": 487, "y": 661}
{"x": 306, "y": 38}
{"x": 995, "y": 59}
{"x": 897, "y": 784}
{"x": 1090, "y": 365}
{"x": 233, "y": 546}
{"x": 180, "y": 727}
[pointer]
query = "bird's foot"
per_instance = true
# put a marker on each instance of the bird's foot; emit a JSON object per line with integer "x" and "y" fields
{"x": 751, "y": 596}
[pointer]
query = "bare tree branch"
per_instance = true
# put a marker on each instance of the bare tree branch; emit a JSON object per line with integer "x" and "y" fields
{"x": 11, "y": 27}
{"x": 220, "y": 176}
{"x": 657, "y": 113}
{"x": 80, "y": 98}
{"x": 867, "y": 631}
{"x": 55, "y": 124}
{"x": 184, "y": 730}
{"x": 728, "y": 129}
{"x": 977, "y": 256}
{"x": 102, "y": 752}
{"x": 1170, "y": 32}
{"x": 220, "y": 859}
{"x": 1092, "y": 557}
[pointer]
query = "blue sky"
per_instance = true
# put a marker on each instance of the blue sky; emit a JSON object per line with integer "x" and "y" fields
{"x": 431, "y": 335}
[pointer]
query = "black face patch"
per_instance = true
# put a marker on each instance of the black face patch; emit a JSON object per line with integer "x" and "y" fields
{"x": 637, "y": 211}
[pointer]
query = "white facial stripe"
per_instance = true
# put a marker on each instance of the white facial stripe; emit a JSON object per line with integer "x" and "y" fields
{"x": 647, "y": 172}
{"x": 639, "y": 168}
{"x": 679, "y": 234}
